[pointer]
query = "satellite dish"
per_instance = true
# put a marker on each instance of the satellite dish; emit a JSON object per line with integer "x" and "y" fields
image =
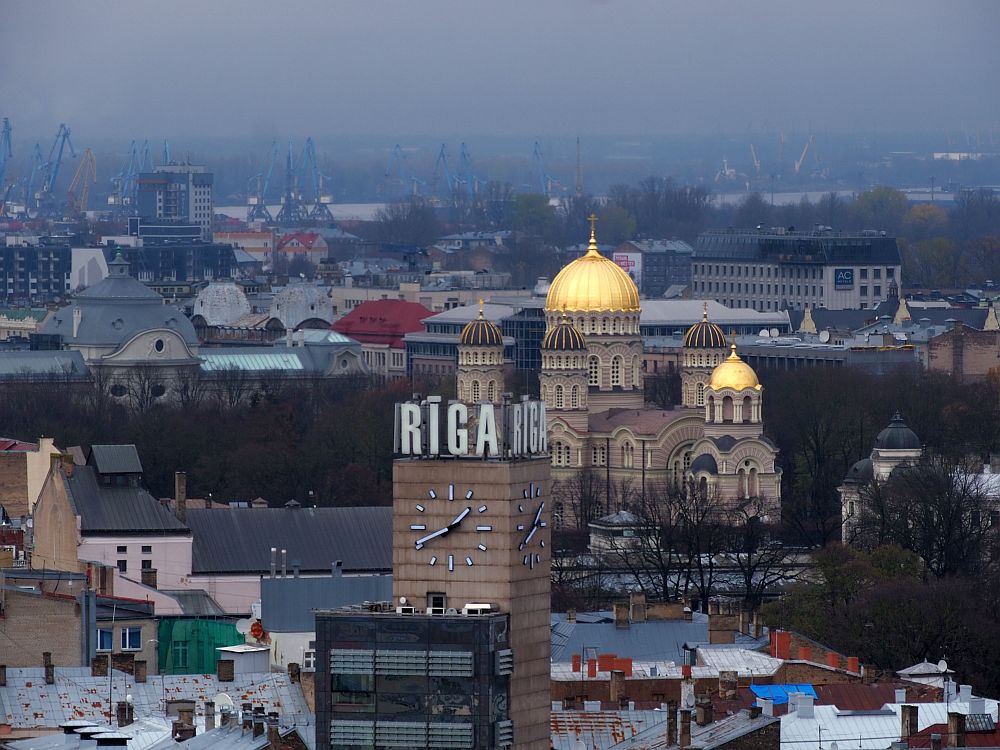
{"x": 451, "y": 611}
{"x": 764, "y": 333}
{"x": 689, "y": 701}
{"x": 243, "y": 626}
{"x": 824, "y": 337}
{"x": 775, "y": 333}
{"x": 943, "y": 665}
{"x": 223, "y": 701}
{"x": 402, "y": 600}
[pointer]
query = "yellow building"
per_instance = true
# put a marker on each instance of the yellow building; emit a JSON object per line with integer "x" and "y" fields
{"x": 602, "y": 433}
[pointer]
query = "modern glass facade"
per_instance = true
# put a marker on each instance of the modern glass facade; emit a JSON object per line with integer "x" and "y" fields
{"x": 386, "y": 680}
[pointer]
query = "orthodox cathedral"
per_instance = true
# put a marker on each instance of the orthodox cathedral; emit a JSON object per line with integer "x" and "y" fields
{"x": 592, "y": 385}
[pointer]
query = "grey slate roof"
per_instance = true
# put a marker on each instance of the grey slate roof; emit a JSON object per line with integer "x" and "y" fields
{"x": 119, "y": 510}
{"x": 239, "y": 540}
{"x": 195, "y": 602}
{"x": 115, "y": 459}
{"x": 62, "y": 364}
{"x": 287, "y": 604}
{"x": 644, "y": 641}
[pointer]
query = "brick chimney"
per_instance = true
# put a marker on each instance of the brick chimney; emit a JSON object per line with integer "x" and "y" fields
{"x": 570, "y": 615}
{"x": 935, "y": 741}
{"x": 908, "y": 722}
{"x": 225, "y": 670}
{"x": 273, "y": 735}
{"x": 637, "y": 606}
{"x": 671, "y": 723}
{"x": 209, "y": 715}
{"x": 684, "y": 738}
{"x": 139, "y": 665}
{"x": 180, "y": 496}
{"x": 247, "y": 716}
{"x": 294, "y": 672}
{"x": 148, "y": 577}
{"x": 956, "y": 729}
{"x": 617, "y": 686}
{"x": 259, "y": 721}
{"x": 3, "y": 675}
{"x": 621, "y": 615}
{"x": 704, "y": 711}
{"x": 50, "y": 674}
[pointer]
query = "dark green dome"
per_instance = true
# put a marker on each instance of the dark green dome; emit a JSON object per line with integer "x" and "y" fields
{"x": 897, "y": 436}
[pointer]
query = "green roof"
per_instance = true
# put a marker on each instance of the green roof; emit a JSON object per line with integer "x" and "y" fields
{"x": 251, "y": 361}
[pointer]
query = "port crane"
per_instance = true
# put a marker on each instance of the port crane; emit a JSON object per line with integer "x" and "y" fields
{"x": 805, "y": 150}
{"x": 79, "y": 187}
{"x": 292, "y": 210}
{"x": 257, "y": 209}
{"x": 756, "y": 161}
{"x": 468, "y": 177}
{"x": 45, "y": 199}
{"x": 547, "y": 183}
{"x": 125, "y": 184}
{"x": 441, "y": 170}
{"x": 309, "y": 168}
{"x": 396, "y": 173}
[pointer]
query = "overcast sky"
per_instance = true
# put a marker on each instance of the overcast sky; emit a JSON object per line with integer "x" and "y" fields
{"x": 154, "y": 68}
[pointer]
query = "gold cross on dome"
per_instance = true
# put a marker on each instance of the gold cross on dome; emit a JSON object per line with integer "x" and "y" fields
{"x": 593, "y": 220}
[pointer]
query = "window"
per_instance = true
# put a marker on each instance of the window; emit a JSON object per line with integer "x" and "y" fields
{"x": 122, "y": 549}
{"x": 104, "y": 639}
{"x": 475, "y": 391}
{"x": 876, "y": 273}
{"x": 147, "y": 549}
{"x": 864, "y": 273}
{"x": 309, "y": 659}
{"x": 559, "y": 397}
{"x": 599, "y": 455}
{"x": 574, "y": 397}
{"x": 616, "y": 371}
{"x": 131, "y": 639}
{"x": 594, "y": 368}
{"x": 123, "y": 566}
{"x": 436, "y": 600}
{"x": 147, "y": 564}
{"x": 180, "y": 654}
{"x": 877, "y": 290}
{"x": 864, "y": 291}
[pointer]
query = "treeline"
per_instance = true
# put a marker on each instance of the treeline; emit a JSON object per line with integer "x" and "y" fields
{"x": 322, "y": 442}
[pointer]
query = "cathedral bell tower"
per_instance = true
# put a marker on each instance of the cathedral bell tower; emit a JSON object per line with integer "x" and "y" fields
{"x": 480, "y": 361}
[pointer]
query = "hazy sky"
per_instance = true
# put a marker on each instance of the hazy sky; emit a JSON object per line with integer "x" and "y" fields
{"x": 149, "y": 68}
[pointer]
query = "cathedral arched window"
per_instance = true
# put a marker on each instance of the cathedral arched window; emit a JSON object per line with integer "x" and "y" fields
{"x": 559, "y": 396}
{"x": 594, "y": 371}
{"x": 701, "y": 394}
{"x": 616, "y": 371}
{"x": 491, "y": 391}
{"x": 574, "y": 397}
{"x": 635, "y": 372}
{"x": 727, "y": 409}
{"x": 475, "y": 391}
{"x": 747, "y": 409}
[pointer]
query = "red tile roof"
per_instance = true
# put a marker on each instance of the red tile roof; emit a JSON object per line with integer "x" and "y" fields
{"x": 10, "y": 444}
{"x": 972, "y": 739}
{"x": 305, "y": 239}
{"x": 383, "y": 321}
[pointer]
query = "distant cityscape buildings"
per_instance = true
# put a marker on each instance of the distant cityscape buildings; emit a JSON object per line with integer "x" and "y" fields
{"x": 180, "y": 193}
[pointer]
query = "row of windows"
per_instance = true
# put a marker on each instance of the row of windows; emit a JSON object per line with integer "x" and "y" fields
{"x": 782, "y": 272}
{"x": 562, "y": 456}
{"x": 607, "y": 325}
{"x": 130, "y": 639}
{"x": 147, "y": 549}
{"x": 557, "y": 396}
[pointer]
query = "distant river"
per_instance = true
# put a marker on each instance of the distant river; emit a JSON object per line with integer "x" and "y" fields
{"x": 355, "y": 211}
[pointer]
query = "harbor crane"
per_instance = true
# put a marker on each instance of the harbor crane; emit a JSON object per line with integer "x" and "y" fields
{"x": 441, "y": 170}
{"x": 125, "y": 184}
{"x": 257, "y": 209}
{"x": 292, "y": 209}
{"x": 468, "y": 177}
{"x": 397, "y": 174}
{"x": 79, "y": 187}
{"x": 756, "y": 161}
{"x": 547, "y": 183}
{"x": 309, "y": 167}
{"x": 47, "y": 204}
{"x": 805, "y": 150}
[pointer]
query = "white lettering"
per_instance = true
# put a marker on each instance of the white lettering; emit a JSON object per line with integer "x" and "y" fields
{"x": 458, "y": 435}
{"x": 515, "y": 430}
{"x": 486, "y": 433}
{"x": 543, "y": 429}
{"x": 409, "y": 429}
{"x": 533, "y": 426}
{"x": 433, "y": 430}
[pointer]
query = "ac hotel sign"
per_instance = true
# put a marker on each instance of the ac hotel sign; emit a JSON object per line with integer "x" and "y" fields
{"x": 431, "y": 429}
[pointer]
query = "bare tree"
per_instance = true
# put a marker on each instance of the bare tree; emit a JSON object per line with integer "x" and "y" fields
{"x": 582, "y": 497}
{"x": 754, "y": 546}
{"x": 232, "y": 386}
{"x": 143, "y": 384}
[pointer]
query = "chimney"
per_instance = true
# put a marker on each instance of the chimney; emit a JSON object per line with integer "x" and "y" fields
{"x": 965, "y": 693}
{"x": 50, "y": 674}
{"x": 209, "y": 716}
{"x": 3, "y": 675}
{"x": 77, "y": 319}
{"x": 274, "y": 561}
{"x": 273, "y": 736}
{"x": 46, "y": 658}
{"x": 148, "y": 577}
{"x": 259, "y": 721}
{"x": 684, "y": 739}
{"x": 288, "y": 338}
{"x": 671, "y": 723}
{"x": 247, "y": 716}
{"x": 284, "y": 563}
{"x": 186, "y": 716}
{"x": 621, "y": 615}
{"x": 294, "y": 673}
{"x": 758, "y": 626}
{"x": 302, "y": 337}
{"x": 908, "y": 722}
{"x": 956, "y": 729}
{"x": 122, "y": 714}
{"x": 139, "y": 665}
{"x": 900, "y": 695}
{"x": 805, "y": 709}
{"x": 977, "y": 705}
{"x": 570, "y": 615}
{"x": 223, "y": 717}
{"x": 704, "y": 711}
{"x": 338, "y": 569}
{"x": 67, "y": 464}
{"x": 755, "y": 712}
{"x": 766, "y": 706}
{"x": 935, "y": 741}
{"x": 617, "y": 686}
{"x": 180, "y": 496}
{"x": 225, "y": 669}
{"x": 637, "y": 607}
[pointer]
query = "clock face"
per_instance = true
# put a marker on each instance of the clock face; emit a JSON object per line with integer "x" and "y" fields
{"x": 530, "y": 525}
{"x": 448, "y": 510}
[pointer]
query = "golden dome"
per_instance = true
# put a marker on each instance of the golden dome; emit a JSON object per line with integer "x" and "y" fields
{"x": 734, "y": 373}
{"x": 564, "y": 337}
{"x": 704, "y": 334}
{"x": 592, "y": 283}
{"x": 481, "y": 332}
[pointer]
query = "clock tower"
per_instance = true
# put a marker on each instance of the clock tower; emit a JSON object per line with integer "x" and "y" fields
{"x": 472, "y": 536}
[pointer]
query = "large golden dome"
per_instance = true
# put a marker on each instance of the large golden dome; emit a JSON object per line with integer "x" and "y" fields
{"x": 734, "y": 373}
{"x": 592, "y": 283}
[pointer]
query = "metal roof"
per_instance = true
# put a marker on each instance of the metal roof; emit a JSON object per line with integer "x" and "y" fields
{"x": 103, "y": 508}
{"x": 239, "y": 540}
{"x": 28, "y": 702}
{"x": 647, "y": 641}
{"x": 287, "y": 604}
{"x": 600, "y": 729}
{"x": 195, "y": 602}
{"x": 56, "y": 363}
{"x": 115, "y": 459}
{"x": 252, "y": 361}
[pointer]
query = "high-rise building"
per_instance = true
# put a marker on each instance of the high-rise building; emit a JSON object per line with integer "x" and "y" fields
{"x": 180, "y": 193}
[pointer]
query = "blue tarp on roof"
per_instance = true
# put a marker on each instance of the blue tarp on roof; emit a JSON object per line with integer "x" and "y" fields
{"x": 779, "y": 693}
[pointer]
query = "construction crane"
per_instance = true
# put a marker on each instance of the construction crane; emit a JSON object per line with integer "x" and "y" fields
{"x": 805, "y": 150}
{"x": 292, "y": 209}
{"x": 45, "y": 200}
{"x": 79, "y": 187}
{"x": 546, "y": 182}
{"x": 756, "y": 161}
{"x": 257, "y": 190}
{"x": 441, "y": 170}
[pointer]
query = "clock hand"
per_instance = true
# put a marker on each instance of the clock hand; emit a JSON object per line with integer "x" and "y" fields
{"x": 434, "y": 535}
{"x": 535, "y": 525}
{"x": 538, "y": 515}
{"x": 459, "y": 518}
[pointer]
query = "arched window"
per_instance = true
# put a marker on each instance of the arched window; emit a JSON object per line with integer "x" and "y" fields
{"x": 574, "y": 397}
{"x": 635, "y": 372}
{"x": 701, "y": 394}
{"x": 616, "y": 371}
{"x": 747, "y": 409}
{"x": 491, "y": 391}
{"x": 594, "y": 368}
{"x": 475, "y": 391}
{"x": 559, "y": 396}
{"x": 727, "y": 409}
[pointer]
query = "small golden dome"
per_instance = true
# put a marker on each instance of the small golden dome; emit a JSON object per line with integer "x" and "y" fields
{"x": 481, "y": 332}
{"x": 734, "y": 373}
{"x": 592, "y": 283}
{"x": 704, "y": 334}
{"x": 564, "y": 337}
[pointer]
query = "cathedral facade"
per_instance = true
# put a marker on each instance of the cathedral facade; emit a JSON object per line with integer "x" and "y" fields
{"x": 602, "y": 433}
